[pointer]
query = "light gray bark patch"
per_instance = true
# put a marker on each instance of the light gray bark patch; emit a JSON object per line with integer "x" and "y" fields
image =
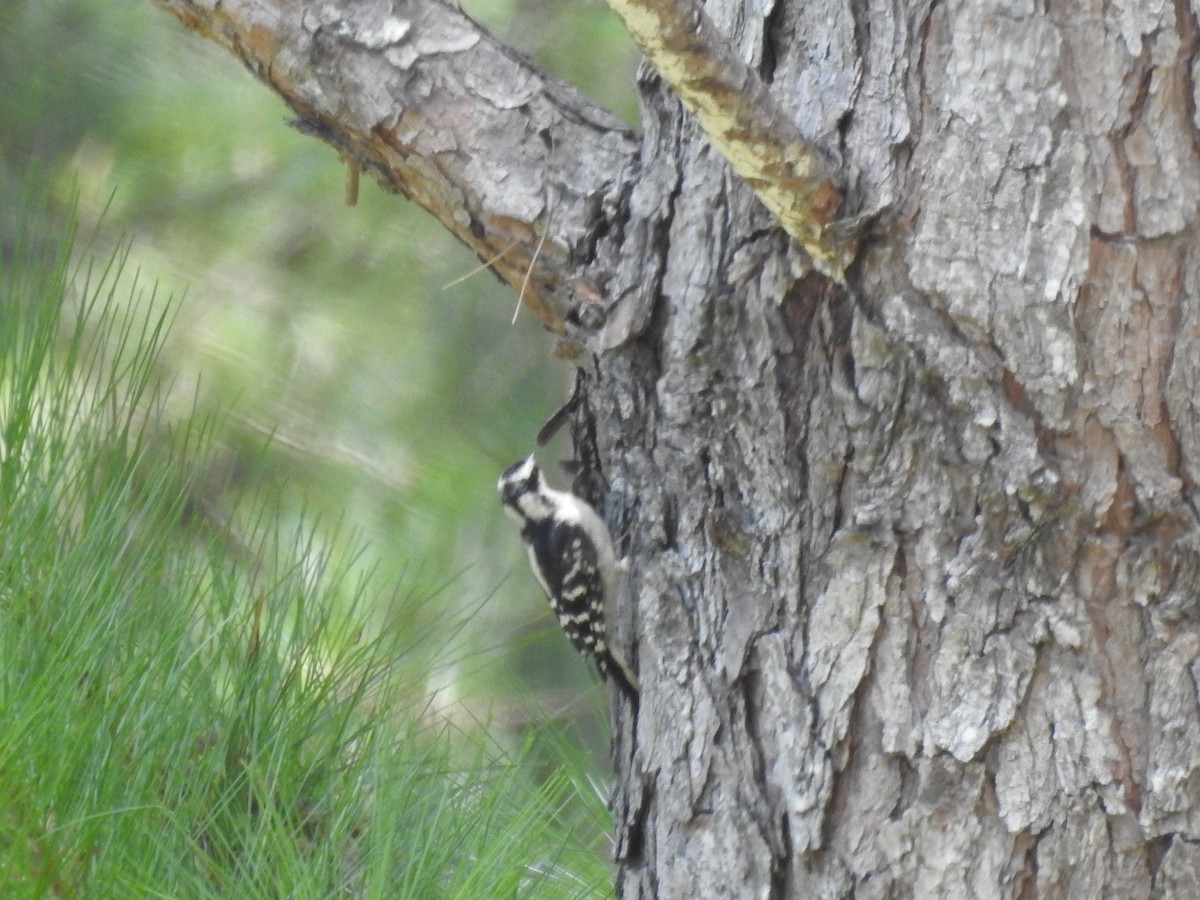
{"x": 796, "y": 771}
{"x": 882, "y": 121}
{"x": 1183, "y": 380}
{"x": 932, "y": 845}
{"x": 977, "y": 681}
{"x": 1172, "y": 778}
{"x": 1133, "y": 313}
{"x": 1161, "y": 146}
{"x": 1061, "y": 745}
{"x": 1006, "y": 201}
{"x": 1030, "y": 234}
{"x": 893, "y": 666}
{"x": 1088, "y": 855}
{"x": 1179, "y": 872}
{"x": 843, "y": 621}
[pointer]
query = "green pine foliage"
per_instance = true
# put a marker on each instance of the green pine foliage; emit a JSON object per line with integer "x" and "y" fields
{"x": 192, "y": 707}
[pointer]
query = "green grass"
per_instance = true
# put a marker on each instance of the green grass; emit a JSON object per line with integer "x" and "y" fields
{"x": 192, "y": 707}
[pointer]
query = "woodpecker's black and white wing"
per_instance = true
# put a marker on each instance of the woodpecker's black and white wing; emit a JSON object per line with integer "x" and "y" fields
{"x": 569, "y": 565}
{"x": 570, "y": 569}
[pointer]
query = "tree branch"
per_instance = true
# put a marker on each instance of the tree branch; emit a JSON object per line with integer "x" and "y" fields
{"x": 522, "y": 168}
{"x": 744, "y": 123}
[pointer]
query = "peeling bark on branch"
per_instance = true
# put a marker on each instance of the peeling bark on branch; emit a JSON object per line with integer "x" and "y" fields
{"x": 520, "y": 167}
{"x": 744, "y": 122}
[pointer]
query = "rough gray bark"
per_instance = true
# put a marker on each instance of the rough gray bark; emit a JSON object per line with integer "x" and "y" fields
{"x": 915, "y": 562}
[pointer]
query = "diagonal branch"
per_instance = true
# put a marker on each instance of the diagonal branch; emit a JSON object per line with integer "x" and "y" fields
{"x": 517, "y": 165}
{"x": 744, "y": 122}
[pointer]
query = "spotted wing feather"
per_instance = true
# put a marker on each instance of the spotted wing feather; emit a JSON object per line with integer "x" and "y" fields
{"x": 577, "y": 583}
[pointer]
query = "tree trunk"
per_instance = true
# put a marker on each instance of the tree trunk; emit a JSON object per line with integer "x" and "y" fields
{"x": 914, "y": 556}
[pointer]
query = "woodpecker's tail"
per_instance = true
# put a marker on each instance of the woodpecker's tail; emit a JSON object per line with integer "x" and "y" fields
{"x": 616, "y": 669}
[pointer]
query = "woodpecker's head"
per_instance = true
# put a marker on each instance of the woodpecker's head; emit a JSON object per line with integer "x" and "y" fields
{"x": 523, "y": 492}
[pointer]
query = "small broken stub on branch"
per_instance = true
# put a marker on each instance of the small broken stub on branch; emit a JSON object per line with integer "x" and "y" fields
{"x": 353, "y": 171}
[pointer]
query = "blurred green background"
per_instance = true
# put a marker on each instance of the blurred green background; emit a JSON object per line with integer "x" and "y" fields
{"x": 388, "y": 401}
